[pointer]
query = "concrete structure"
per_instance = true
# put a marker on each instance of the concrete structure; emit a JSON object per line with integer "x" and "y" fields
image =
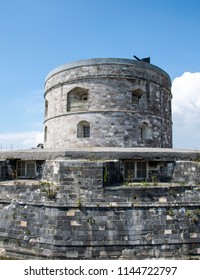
{"x": 108, "y": 103}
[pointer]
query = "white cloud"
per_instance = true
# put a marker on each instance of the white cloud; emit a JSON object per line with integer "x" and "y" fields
{"x": 20, "y": 140}
{"x": 186, "y": 110}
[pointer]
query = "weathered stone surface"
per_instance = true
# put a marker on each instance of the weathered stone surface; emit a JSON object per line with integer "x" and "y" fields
{"x": 84, "y": 207}
{"x": 127, "y": 104}
{"x": 110, "y": 223}
{"x": 187, "y": 172}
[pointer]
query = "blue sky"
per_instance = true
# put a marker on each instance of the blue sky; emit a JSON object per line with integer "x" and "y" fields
{"x": 39, "y": 35}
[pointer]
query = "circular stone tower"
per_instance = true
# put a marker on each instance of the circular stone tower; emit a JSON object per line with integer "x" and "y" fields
{"x": 108, "y": 103}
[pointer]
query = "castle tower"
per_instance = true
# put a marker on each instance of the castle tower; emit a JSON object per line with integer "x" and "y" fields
{"x": 108, "y": 103}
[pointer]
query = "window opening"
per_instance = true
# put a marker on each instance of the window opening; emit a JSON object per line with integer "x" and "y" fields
{"x": 85, "y": 97}
{"x": 46, "y": 107}
{"x": 129, "y": 170}
{"x": 30, "y": 169}
{"x": 141, "y": 169}
{"x": 86, "y": 131}
{"x": 146, "y": 131}
{"x": 136, "y": 170}
{"x": 135, "y": 99}
{"x": 21, "y": 169}
{"x": 136, "y": 95}
{"x": 26, "y": 169}
{"x": 77, "y": 100}
{"x": 83, "y": 129}
{"x": 45, "y": 134}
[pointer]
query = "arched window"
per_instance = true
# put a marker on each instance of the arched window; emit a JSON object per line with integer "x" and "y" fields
{"x": 83, "y": 129}
{"x": 45, "y": 134}
{"x": 77, "y": 99}
{"x": 146, "y": 131}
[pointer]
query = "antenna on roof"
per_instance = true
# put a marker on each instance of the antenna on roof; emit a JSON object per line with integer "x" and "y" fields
{"x": 137, "y": 58}
{"x": 146, "y": 59}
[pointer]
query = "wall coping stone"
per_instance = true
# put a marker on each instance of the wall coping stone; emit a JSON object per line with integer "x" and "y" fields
{"x": 101, "y": 153}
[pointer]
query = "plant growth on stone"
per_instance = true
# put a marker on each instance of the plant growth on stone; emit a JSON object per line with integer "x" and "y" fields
{"x": 154, "y": 180}
{"x": 79, "y": 202}
{"x": 50, "y": 190}
{"x": 105, "y": 175}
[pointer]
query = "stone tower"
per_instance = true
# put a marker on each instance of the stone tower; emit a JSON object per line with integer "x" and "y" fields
{"x": 108, "y": 103}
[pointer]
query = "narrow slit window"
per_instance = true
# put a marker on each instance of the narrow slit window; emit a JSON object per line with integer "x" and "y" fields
{"x": 45, "y": 134}
{"x": 46, "y": 107}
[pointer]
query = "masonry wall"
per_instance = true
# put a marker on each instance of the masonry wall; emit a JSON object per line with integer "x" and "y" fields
{"x": 81, "y": 218}
{"x": 115, "y": 119}
{"x": 187, "y": 172}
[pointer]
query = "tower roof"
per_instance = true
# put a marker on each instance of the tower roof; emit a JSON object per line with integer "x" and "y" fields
{"x": 101, "y": 61}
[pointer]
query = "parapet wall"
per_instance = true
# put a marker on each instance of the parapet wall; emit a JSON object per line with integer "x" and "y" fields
{"x": 80, "y": 218}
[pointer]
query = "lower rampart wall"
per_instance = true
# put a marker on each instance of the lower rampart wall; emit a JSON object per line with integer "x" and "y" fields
{"x": 88, "y": 221}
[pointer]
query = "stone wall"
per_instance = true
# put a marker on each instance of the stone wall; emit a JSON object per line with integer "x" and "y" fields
{"x": 187, "y": 172}
{"x": 118, "y": 98}
{"x": 84, "y": 172}
{"x": 81, "y": 219}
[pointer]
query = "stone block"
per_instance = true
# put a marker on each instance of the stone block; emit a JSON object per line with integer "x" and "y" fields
{"x": 72, "y": 254}
{"x": 168, "y": 217}
{"x": 162, "y": 200}
{"x": 75, "y": 223}
{"x": 71, "y": 213}
{"x": 23, "y": 224}
{"x": 193, "y": 235}
{"x": 167, "y": 231}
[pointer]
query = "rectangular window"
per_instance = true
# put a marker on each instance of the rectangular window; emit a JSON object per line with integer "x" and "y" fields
{"x": 21, "y": 169}
{"x": 136, "y": 170}
{"x": 26, "y": 169}
{"x": 130, "y": 170}
{"x": 86, "y": 131}
{"x": 135, "y": 99}
{"x": 142, "y": 169}
{"x": 30, "y": 169}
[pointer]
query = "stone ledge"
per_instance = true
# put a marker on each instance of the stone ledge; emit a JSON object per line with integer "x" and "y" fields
{"x": 104, "y": 205}
{"x": 98, "y": 153}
